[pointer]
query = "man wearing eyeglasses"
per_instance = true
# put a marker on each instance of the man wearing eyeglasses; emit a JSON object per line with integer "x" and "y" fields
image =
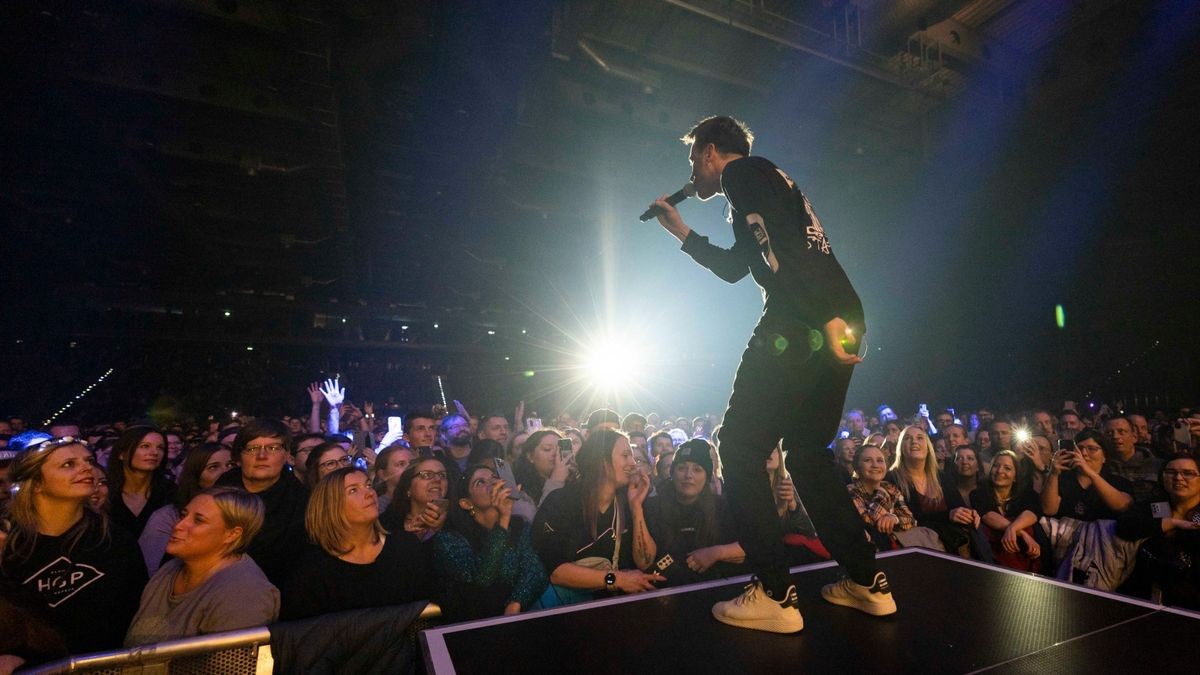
{"x": 262, "y": 450}
{"x": 1137, "y": 465}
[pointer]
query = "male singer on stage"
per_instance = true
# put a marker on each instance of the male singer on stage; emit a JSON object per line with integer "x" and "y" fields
{"x": 792, "y": 380}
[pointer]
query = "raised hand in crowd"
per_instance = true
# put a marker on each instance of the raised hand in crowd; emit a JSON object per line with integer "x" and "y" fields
{"x": 562, "y": 468}
{"x": 314, "y": 417}
{"x": 350, "y": 414}
{"x": 333, "y": 393}
{"x": 785, "y": 496}
{"x": 500, "y": 506}
{"x": 1029, "y": 449}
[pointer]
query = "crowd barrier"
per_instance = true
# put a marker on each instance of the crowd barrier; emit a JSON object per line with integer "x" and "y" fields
{"x": 238, "y": 652}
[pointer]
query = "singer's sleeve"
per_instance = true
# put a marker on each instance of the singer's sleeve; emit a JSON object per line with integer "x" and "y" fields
{"x": 730, "y": 264}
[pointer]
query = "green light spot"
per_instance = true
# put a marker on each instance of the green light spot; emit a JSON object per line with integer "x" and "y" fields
{"x": 815, "y": 340}
{"x": 530, "y": 373}
{"x": 780, "y": 344}
{"x": 1060, "y": 317}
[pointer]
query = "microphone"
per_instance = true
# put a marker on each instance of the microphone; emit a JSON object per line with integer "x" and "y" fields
{"x": 683, "y": 193}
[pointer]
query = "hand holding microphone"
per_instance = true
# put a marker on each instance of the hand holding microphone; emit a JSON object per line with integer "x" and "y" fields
{"x": 657, "y": 208}
{"x": 664, "y": 209}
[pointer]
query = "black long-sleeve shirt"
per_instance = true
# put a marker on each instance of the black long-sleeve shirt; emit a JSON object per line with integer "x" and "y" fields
{"x": 282, "y": 541}
{"x": 781, "y": 243}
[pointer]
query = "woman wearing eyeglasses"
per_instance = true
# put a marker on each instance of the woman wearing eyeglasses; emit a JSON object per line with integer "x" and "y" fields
{"x": 484, "y": 560}
{"x": 201, "y": 469}
{"x": 324, "y": 460}
{"x": 1168, "y": 562}
{"x": 421, "y": 501}
{"x": 360, "y": 563}
{"x": 1080, "y": 499}
{"x": 61, "y": 558}
{"x": 1080, "y": 486}
{"x": 262, "y": 448}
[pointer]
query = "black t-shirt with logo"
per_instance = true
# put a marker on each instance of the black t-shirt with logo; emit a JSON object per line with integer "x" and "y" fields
{"x": 88, "y": 593}
{"x": 780, "y": 242}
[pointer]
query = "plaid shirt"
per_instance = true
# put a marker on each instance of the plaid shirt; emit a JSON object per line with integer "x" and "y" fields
{"x": 884, "y": 500}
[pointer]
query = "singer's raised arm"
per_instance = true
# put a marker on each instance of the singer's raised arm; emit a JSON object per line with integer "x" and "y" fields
{"x": 730, "y": 264}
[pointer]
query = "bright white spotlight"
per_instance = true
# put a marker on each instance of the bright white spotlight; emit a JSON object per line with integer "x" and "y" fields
{"x": 614, "y": 363}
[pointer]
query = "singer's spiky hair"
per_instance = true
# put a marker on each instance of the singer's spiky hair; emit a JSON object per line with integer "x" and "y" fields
{"x": 725, "y": 133}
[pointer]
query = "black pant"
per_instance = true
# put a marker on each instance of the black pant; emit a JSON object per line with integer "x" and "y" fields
{"x": 789, "y": 386}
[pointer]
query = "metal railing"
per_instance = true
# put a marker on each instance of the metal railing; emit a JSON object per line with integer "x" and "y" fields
{"x": 238, "y": 652}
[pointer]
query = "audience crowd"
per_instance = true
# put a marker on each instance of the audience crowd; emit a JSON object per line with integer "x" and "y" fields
{"x": 126, "y": 534}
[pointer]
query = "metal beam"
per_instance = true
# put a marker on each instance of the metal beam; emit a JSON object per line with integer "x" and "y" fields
{"x": 749, "y": 20}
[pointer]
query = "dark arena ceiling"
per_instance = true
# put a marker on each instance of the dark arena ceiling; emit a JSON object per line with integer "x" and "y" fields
{"x": 322, "y": 174}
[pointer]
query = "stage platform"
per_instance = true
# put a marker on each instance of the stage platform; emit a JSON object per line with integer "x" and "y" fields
{"x": 955, "y": 616}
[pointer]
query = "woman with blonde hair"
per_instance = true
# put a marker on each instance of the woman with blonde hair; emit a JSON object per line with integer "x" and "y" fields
{"x": 915, "y": 473}
{"x": 210, "y": 585}
{"x": 60, "y": 556}
{"x": 358, "y": 564}
{"x": 201, "y": 469}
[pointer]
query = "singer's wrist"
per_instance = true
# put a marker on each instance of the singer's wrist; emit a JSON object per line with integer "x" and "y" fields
{"x": 681, "y": 232}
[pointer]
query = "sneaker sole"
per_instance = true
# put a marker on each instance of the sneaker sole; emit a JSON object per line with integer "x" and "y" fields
{"x": 769, "y": 626}
{"x": 872, "y": 608}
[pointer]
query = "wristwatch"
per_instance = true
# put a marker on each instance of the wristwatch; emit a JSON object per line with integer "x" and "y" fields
{"x": 610, "y": 581}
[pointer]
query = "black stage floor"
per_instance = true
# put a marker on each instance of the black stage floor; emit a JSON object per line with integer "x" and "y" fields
{"x": 955, "y": 616}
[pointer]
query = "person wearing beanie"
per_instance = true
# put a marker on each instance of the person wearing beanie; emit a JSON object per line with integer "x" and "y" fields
{"x": 696, "y": 534}
{"x": 603, "y": 419}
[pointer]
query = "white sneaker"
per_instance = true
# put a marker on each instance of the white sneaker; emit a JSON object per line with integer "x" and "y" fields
{"x": 755, "y": 609}
{"x": 875, "y": 599}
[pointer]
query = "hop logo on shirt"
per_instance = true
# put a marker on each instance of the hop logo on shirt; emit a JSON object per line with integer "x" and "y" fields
{"x": 61, "y": 579}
